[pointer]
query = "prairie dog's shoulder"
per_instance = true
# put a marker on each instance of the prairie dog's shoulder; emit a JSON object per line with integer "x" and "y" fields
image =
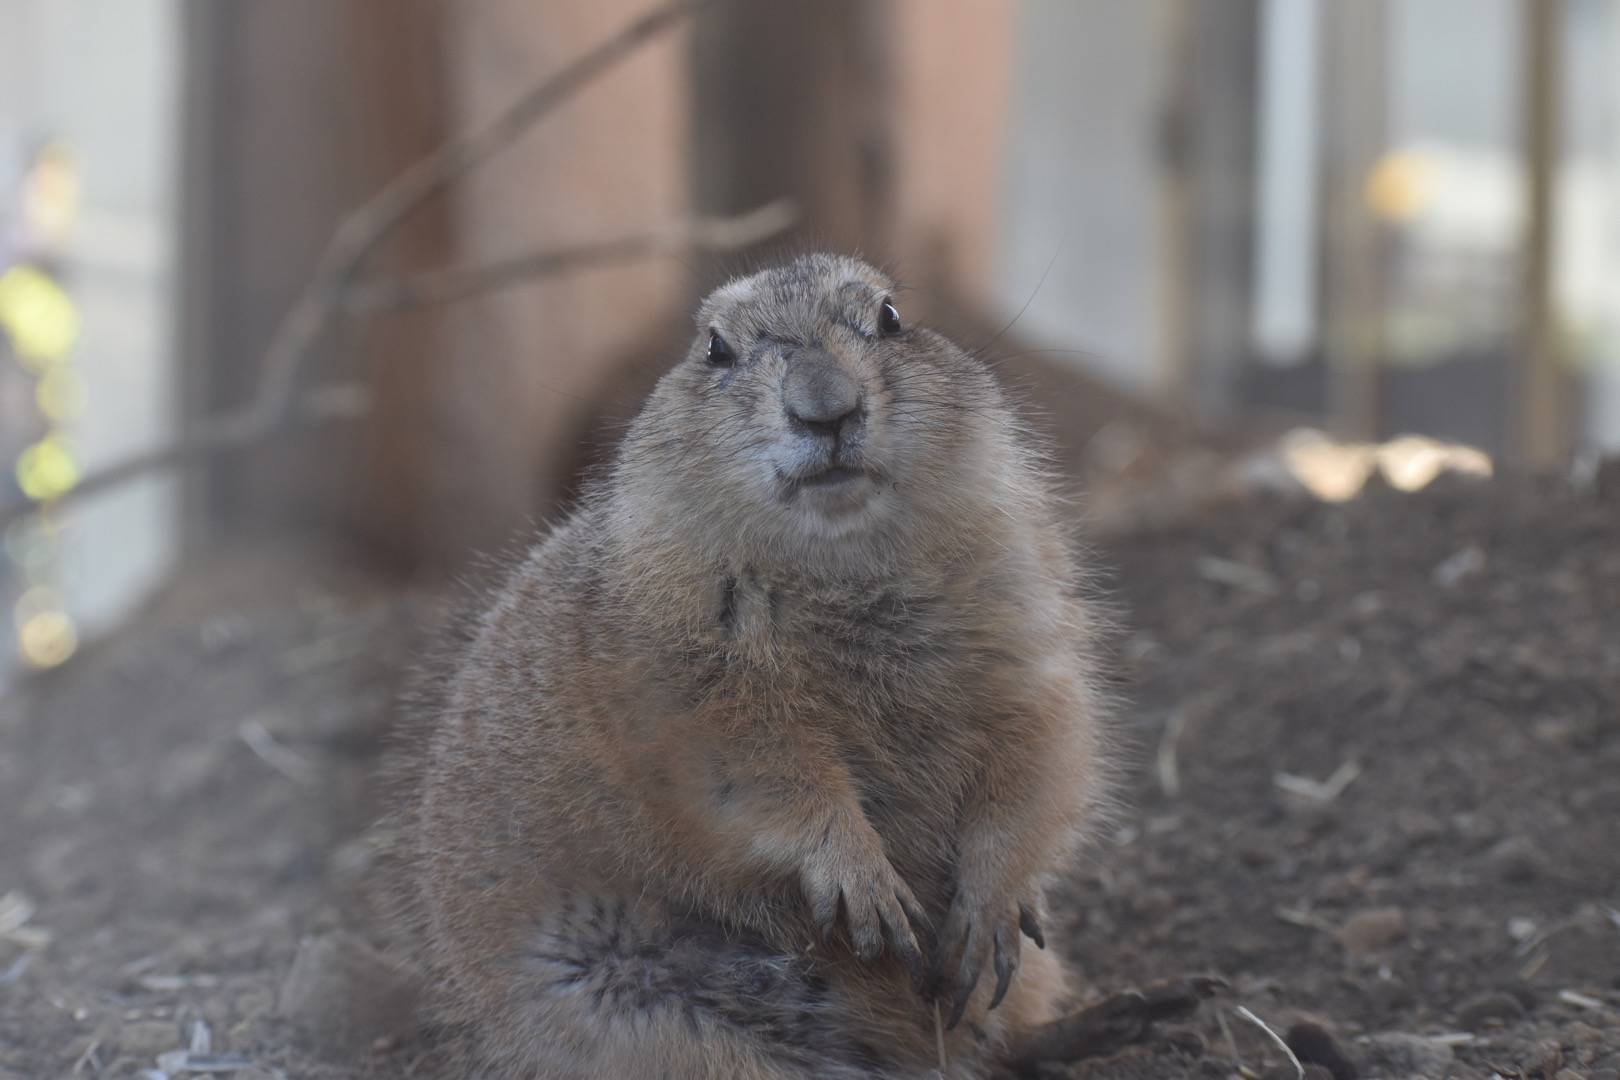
{"x": 539, "y": 615}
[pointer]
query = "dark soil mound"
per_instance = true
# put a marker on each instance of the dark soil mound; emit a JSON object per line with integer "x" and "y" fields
{"x": 1378, "y": 783}
{"x": 1376, "y": 787}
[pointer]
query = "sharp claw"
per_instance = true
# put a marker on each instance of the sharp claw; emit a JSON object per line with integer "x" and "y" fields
{"x": 917, "y": 968}
{"x": 904, "y": 940}
{"x": 914, "y": 912}
{"x": 967, "y": 974}
{"x": 945, "y": 944}
{"x": 905, "y": 947}
{"x": 1003, "y": 982}
{"x": 1005, "y": 966}
{"x": 912, "y": 958}
{"x": 1030, "y": 926}
{"x": 959, "y": 1005}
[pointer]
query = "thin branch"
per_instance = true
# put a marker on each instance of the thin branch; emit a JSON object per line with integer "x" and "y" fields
{"x": 364, "y": 230}
{"x": 230, "y": 431}
{"x": 461, "y": 282}
{"x": 1282, "y": 1043}
{"x": 254, "y": 424}
{"x": 275, "y": 402}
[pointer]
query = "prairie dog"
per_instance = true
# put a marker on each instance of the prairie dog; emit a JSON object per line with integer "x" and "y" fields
{"x": 767, "y": 751}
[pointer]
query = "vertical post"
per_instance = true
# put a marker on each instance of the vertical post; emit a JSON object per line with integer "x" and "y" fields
{"x": 1355, "y": 128}
{"x": 397, "y": 59}
{"x": 1177, "y": 191}
{"x": 206, "y": 173}
{"x": 296, "y": 112}
{"x": 1224, "y": 109}
{"x": 1289, "y": 165}
{"x": 1539, "y": 402}
{"x": 795, "y": 99}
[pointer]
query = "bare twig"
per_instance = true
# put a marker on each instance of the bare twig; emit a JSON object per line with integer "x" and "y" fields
{"x": 1323, "y": 791}
{"x": 15, "y": 911}
{"x": 1539, "y": 937}
{"x": 1583, "y": 1001}
{"x": 276, "y": 403}
{"x": 289, "y": 763}
{"x": 1299, "y": 1070}
{"x": 1229, "y": 1039}
{"x": 168, "y": 984}
{"x": 1236, "y": 574}
{"x": 1168, "y": 769}
{"x": 1305, "y": 919}
{"x": 18, "y": 968}
{"x": 245, "y": 427}
{"x": 462, "y": 282}
{"x": 939, "y": 1041}
{"x": 88, "y": 1058}
{"x": 364, "y": 230}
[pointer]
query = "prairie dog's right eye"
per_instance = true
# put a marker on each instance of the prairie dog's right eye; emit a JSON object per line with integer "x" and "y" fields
{"x": 889, "y": 318}
{"x": 720, "y": 354}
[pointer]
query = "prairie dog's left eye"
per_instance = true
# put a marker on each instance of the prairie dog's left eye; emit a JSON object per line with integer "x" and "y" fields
{"x": 889, "y": 319}
{"x": 720, "y": 353}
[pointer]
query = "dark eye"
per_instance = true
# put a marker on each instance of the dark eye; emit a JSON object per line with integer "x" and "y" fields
{"x": 720, "y": 354}
{"x": 889, "y": 319}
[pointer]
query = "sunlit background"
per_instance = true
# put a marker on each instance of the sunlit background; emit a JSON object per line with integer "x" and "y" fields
{"x": 1328, "y": 239}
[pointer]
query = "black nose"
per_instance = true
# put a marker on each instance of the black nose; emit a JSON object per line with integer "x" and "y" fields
{"x": 818, "y": 395}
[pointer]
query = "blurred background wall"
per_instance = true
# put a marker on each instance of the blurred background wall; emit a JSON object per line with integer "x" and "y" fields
{"x": 90, "y": 217}
{"x": 1374, "y": 218}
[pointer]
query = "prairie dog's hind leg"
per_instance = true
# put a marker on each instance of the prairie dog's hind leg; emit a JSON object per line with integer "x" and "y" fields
{"x": 600, "y": 989}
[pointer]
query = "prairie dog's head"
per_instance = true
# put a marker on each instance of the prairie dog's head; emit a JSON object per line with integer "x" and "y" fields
{"x": 812, "y": 416}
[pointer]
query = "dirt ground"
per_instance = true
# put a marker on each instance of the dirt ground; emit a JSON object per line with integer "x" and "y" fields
{"x": 1374, "y": 784}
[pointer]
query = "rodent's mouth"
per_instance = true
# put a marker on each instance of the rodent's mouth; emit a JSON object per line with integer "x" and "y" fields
{"x": 837, "y": 474}
{"x": 832, "y": 478}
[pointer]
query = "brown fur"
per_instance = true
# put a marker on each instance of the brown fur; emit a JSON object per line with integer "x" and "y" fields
{"x": 710, "y": 718}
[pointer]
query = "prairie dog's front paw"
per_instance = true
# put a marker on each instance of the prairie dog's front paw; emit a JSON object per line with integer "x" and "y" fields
{"x": 850, "y": 866}
{"x": 978, "y": 930}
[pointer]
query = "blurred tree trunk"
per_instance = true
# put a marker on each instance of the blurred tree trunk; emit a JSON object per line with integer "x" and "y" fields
{"x": 797, "y": 99}
{"x": 302, "y": 109}
{"x": 1542, "y": 431}
{"x": 1224, "y": 112}
{"x": 1208, "y": 148}
{"x": 1355, "y": 134}
{"x": 404, "y": 110}
{"x": 298, "y": 111}
{"x": 528, "y": 364}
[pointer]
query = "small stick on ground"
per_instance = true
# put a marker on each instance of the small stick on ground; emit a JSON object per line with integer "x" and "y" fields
{"x": 1111, "y": 1024}
{"x": 1583, "y": 1001}
{"x": 1296, "y": 917}
{"x": 1299, "y": 1070}
{"x": 291, "y": 764}
{"x": 1168, "y": 767}
{"x": 1323, "y": 791}
{"x": 88, "y": 1058}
